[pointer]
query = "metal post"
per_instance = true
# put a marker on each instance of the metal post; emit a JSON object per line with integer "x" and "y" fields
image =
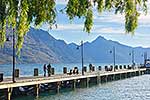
{"x": 145, "y": 57}
{"x": 114, "y": 54}
{"x": 13, "y": 73}
{"x": 82, "y": 56}
{"x": 132, "y": 57}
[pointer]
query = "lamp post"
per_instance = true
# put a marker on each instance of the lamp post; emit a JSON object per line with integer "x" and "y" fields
{"x": 13, "y": 45}
{"x": 13, "y": 76}
{"x": 145, "y": 57}
{"x": 114, "y": 56}
{"x": 142, "y": 61}
{"x": 82, "y": 62}
{"x": 132, "y": 57}
{"x": 82, "y": 56}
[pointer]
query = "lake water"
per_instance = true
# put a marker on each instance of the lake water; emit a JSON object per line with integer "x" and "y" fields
{"x": 136, "y": 88}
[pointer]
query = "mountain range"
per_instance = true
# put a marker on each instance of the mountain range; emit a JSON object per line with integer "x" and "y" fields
{"x": 40, "y": 47}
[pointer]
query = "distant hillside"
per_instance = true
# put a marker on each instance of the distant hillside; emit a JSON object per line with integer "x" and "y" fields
{"x": 40, "y": 47}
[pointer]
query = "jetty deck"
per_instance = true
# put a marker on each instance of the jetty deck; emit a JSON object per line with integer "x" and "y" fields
{"x": 25, "y": 81}
{"x": 58, "y": 79}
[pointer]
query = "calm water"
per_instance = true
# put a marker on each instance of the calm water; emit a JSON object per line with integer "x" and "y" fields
{"x": 136, "y": 88}
{"x": 28, "y": 69}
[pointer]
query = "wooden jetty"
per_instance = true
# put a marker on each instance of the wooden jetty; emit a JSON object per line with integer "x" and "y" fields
{"x": 98, "y": 76}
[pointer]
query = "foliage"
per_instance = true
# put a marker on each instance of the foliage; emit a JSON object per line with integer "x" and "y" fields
{"x": 19, "y": 14}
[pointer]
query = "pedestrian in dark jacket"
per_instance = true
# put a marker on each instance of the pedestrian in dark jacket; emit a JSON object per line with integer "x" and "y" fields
{"x": 49, "y": 69}
{"x": 44, "y": 69}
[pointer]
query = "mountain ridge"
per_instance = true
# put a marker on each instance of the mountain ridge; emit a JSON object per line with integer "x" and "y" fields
{"x": 40, "y": 47}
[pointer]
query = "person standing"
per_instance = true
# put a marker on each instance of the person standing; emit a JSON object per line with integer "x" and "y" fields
{"x": 49, "y": 69}
{"x": 44, "y": 69}
{"x": 90, "y": 67}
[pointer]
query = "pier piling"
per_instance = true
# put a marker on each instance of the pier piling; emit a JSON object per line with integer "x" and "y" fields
{"x": 37, "y": 86}
{"x": 9, "y": 93}
{"x": 87, "y": 81}
{"x": 58, "y": 87}
{"x": 74, "y": 84}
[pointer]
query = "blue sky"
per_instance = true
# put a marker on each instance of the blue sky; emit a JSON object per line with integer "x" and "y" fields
{"x": 107, "y": 24}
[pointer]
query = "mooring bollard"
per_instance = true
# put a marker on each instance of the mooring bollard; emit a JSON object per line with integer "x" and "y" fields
{"x": 93, "y": 68}
{"x": 129, "y": 67}
{"x": 116, "y": 67}
{"x": 124, "y": 66}
{"x": 99, "y": 68}
{"x": 120, "y": 66}
{"x": 106, "y": 68}
{"x": 111, "y": 68}
{"x": 1, "y": 77}
{"x": 65, "y": 70}
{"x": 75, "y": 69}
{"x": 36, "y": 72}
{"x": 53, "y": 71}
{"x": 16, "y": 72}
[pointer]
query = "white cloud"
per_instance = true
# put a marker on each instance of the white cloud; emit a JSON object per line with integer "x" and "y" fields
{"x": 96, "y": 28}
{"x": 70, "y": 27}
{"x": 109, "y": 30}
{"x": 120, "y": 18}
{"x": 61, "y": 2}
{"x": 108, "y": 17}
{"x": 144, "y": 19}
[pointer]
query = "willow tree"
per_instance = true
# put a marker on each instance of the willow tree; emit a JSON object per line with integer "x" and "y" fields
{"x": 19, "y": 14}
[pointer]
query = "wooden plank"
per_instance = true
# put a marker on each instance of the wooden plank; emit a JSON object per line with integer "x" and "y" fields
{"x": 25, "y": 81}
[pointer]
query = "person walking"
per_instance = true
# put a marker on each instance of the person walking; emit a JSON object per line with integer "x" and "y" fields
{"x": 49, "y": 69}
{"x": 44, "y": 69}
